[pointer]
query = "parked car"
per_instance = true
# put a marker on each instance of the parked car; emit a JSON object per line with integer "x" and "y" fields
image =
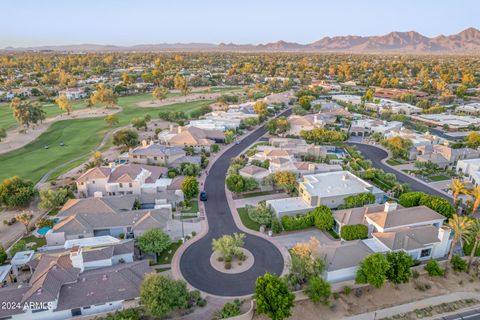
{"x": 203, "y": 196}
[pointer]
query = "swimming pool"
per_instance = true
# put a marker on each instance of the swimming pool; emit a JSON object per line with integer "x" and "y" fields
{"x": 43, "y": 230}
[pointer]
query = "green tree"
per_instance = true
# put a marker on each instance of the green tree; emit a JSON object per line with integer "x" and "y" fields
{"x": 235, "y": 183}
{"x": 139, "y": 123}
{"x": 181, "y": 84}
{"x": 286, "y": 180}
{"x": 190, "y": 187}
{"x": 273, "y": 297}
{"x": 460, "y": 226}
{"x": 104, "y": 95}
{"x": 473, "y": 240}
{"x": 125, "y": 137}
{"x": 50, "y": 199}
{"x": 228, "y": 310}
{"x": 161, "y": 295}
{"x": 214, "y": 148}
{"x": 160, "y": 93}
{"x": 400, "y": 263}
{"x": 16, "y": 192}
{"x": 318, "y": 290}
{"x": 111, "y": 120}
{"x": 323, "y": 218}
{"x": 64, "y": 104}
{"x": 3, "y": 133}
{"x": 153, "y": 241}
{"x": 278, "y": 125}
{"x": 373, "y": 270}
{"x": 306, "y": 102}
{"x": 229, "y": 136}
{"x": 3, "y": 255}
{"x": 354, "y": 232}
{"x": 229, "y": 245}
{"x": 260, "y": 108}
{"x": 368, "y": 96}
{"x": 473, "y": 139}
{"x": 190, "y": 169}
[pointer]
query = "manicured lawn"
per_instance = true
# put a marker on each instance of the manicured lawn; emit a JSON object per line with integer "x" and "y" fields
{"x": 7, "y": 121}
{"x": 39, "y": 241}
{"x": 193, "y": 207}
{"x": 247, "y": 222}
{"x": 393, "y": 162}
{"x": 332, "y": 156}
{"x": 166, "y": 256}
{"x": 439, "y": 178}
{"x": 53, "y": 212}
{"x": 80, "y": 136}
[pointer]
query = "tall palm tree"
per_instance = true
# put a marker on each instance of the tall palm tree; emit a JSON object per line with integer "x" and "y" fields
{"x": 461, "y": 230}
{"x": 475, "y": 238}
{"x": 475, "y": 193}
{"x": 457, "y": 188}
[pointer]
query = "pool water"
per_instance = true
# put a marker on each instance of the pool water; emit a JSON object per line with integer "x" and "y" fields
{"x": 43, "y": 230}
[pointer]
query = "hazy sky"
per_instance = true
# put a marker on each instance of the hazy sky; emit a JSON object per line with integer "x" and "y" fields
{"x": 121, "y": 22}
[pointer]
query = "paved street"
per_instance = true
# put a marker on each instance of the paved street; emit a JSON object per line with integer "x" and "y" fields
{"x": 376, "y": 155}
{"x": 195, "y": 262}
{"x": 471, "y": 315}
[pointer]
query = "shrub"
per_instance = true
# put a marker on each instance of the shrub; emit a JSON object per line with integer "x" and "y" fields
{"x": 229, "y": 310}
{"x": 410, "y": 199}
{"x": 227, "y": 265}
{"x": 276, "y": 226}
{"x": 373, "y": 270}
{"x": 16, "y": 192}
{"x": 18, "y": 247}
{"x": 354, "y": 232}
{"x": 318, "y": 290}
{"x": 322, "y": 217}
{"x": 415, "y": 274}
{"x": 358, "y": 200}
{"x": 433, "y": 269}
{"x": 458, "y": 264}
{"x": 440, "y": 205}
{"x": 3, "y": 255}
{"x": 298, "y": 222}
{"x": 347, "y": 290}
{"x": 261, "y": 214}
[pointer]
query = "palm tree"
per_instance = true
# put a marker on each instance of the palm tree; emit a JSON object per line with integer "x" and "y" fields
{"x": 457, "y": 188}
{"x": 475, "y": 193}
{"x": 475, "y": 238}
{"x": 461, "y": 230}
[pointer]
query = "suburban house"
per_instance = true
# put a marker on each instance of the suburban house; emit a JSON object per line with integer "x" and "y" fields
{"x": 347, "y": 99}
{"x": 80, "y": 282}
{"x": 325, "y": 85}
{"x": 222, "y": 120}
{"x": 418, "y": 231}
{"x": 443, "y": 155}
{"x": 470, "y": 168}
{"x": 74, "y": 93}
{"x": 151, "y": 153}
{"x": 329, "y": 189}
{"x": 255, "y": 172}
{"x": 391, "y": 93}
{"x": 417, "y": 139}
{"x": 121, "y": 179}
{"x": 296, "y": 147}
{"x": 471, "y": 108}
{"x": 301, "y": 123}
{"x": 284, "y": 98}
{"x": 365, "y": 127}
{"x": 450, "y": 121}
{"x": 191, "y": 136}
{"x": 384, "y": 105}
{"x": 116, "y": 217}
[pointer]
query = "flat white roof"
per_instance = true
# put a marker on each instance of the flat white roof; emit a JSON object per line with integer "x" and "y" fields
{"x": 22, "y": 257}
{"x": 91, "y": 242}
{"x": 331, "y": 184}
{"x": 450, "y": 119}
{"x": 288, "y": 204}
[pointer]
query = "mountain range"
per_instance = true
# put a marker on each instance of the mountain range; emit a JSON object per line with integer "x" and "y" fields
{"x": 464, "y": 42}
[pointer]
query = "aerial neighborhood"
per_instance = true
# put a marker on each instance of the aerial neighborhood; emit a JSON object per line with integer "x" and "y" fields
{"x": 236, "y": 184}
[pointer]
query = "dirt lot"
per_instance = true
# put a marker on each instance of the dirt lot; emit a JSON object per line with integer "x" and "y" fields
{"x": 368, "y": 299}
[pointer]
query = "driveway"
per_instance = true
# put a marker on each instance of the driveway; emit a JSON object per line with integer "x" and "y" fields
{"x": 195, "y": 261}
{"x": 289, "y": 240}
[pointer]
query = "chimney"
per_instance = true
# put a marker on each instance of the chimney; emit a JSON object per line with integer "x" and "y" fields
{"x": 151, "y": 142}
{"x": 390, "y": 206}
{"x": 179, "y": 129}
{"x": 76, "y": 257}
{"x": 171, "y": 128}
{"x": 345, "y": 177}
{"x": 144, "y": 143}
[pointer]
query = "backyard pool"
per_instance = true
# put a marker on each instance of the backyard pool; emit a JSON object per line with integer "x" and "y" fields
{"x": 43, "y": 231}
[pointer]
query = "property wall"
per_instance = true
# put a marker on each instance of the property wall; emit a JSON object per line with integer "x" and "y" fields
{"x": 341, "y": 275}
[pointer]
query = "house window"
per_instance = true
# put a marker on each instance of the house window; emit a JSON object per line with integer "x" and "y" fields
{"x": 76, "y": 312}
{"x": 154, "y": 158}
{"x": 93, "y": 181}
{"x": 425, "y": 253}
{"x": 121, "y": 185}
{"x": 130, "y": 184}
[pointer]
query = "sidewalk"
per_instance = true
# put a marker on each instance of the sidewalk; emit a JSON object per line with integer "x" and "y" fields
{"x": 408, "y": 307}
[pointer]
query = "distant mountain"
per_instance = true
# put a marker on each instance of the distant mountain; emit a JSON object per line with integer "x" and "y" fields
{"x": 465, "y": 42}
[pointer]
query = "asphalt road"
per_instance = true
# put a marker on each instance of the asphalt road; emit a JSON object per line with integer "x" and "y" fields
{"x": 376, "y": 155}
{"x": 470, "y": 315}
{"x": 195, "y": 262}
